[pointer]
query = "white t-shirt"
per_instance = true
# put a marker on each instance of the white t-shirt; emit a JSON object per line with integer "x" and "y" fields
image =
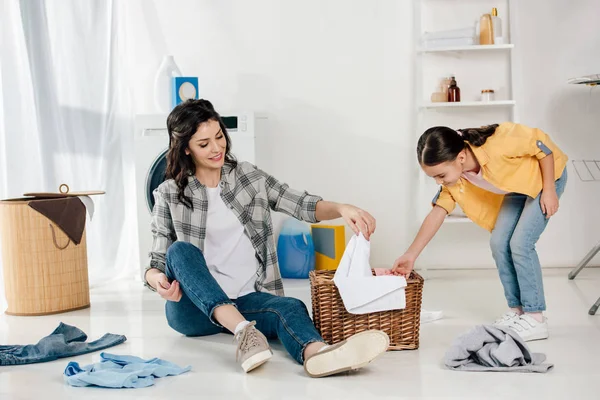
{"x": 229, "y": 254}
{"x": 477, "y": 180}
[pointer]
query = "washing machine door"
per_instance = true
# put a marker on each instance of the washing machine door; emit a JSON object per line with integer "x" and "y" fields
{"x": 156, "y": 176}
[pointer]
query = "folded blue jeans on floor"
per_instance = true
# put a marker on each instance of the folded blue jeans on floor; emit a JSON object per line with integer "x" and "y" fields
{"x": 121, "y": 371}
{"x": 65, "y": 341}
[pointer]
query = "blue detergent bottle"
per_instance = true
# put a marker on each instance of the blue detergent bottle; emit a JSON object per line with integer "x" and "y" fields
{"x": 295, "y": 250}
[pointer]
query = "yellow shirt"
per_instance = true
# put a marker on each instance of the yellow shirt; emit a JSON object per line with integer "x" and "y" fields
{"x": 509, "y": 160}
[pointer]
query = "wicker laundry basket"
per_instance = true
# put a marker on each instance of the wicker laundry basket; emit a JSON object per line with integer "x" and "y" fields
{"x": 45, "y": 272}
{"x": 335, "y": 323}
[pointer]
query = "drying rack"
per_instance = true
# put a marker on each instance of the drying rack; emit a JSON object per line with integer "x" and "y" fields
{"x": 587, "y": 171}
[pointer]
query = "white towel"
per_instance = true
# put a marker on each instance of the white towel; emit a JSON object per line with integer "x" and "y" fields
{"x": 89, "y": 205}
{"x": 429, "y": 44}
{"x": 450, "y": 34}
{"x": 362, "y": 292}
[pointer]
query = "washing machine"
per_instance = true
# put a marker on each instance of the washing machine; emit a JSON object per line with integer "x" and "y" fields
{"x": 151, "y": 144}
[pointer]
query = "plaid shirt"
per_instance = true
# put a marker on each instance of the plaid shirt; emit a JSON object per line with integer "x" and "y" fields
{"x": 250, "y": 193}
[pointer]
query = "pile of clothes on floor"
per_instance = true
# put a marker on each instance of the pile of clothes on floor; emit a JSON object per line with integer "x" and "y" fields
{"x": 113, "y": 371}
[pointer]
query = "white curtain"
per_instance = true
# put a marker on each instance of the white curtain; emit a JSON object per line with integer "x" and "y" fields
{"x": 65, "y": 117}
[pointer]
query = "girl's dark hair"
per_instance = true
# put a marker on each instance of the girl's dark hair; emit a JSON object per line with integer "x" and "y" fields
{"x": 441, "y": 144}
{"x": 182, "y": 124}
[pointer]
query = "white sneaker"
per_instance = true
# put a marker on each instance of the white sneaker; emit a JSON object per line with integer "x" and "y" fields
{"x": 351, "y": 354}
{"x": 529, "y": 328}
{"x": 507, "y": 318}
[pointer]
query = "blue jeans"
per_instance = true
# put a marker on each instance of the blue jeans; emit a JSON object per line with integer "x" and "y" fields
{"x": 285, "y": 318}
{"x": 120, "y": 371}
{"x": 65, "y": 341}
{"x": 518, "y": 228}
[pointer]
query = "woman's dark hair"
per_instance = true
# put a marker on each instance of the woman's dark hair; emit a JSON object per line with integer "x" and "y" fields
{"x": 182, "y": 124}
{"x": 441, "y": 144}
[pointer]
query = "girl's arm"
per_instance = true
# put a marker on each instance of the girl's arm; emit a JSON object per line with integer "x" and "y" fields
{"x": 549, "y": 198}
{"x": 432, "y": 223}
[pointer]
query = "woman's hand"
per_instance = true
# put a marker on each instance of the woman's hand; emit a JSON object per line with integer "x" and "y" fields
{"x": 358, "y": 220}
{"x": 404, "y": 265}
{"x": 549, "y": 202}
{"x": 168, "y": 291}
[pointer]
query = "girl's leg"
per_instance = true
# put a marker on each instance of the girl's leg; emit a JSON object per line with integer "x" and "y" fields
{"x": 525, "y": 258}
{"x": 532, "y": 325}
{"x": 511, "y": 210}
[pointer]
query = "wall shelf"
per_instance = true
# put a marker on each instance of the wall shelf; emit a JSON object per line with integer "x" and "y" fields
{"x": 465, "y": 48}
{"x": 499, "y": 103}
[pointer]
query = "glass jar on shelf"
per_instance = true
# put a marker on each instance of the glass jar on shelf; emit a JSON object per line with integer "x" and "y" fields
{"x": 487, "y": 95}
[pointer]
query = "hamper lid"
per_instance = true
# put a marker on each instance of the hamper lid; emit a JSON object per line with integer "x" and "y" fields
{"x": 64, "y": 191}
{"x": 65, "y": 208}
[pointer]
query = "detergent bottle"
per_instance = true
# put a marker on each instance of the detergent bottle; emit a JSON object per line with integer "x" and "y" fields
{"x": 295, "y": 250}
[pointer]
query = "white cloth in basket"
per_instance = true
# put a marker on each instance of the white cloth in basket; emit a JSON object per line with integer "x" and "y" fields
{"x": 362, "y": 292}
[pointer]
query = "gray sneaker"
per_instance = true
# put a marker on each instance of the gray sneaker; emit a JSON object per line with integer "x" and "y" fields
{"x": 253, "y": 350}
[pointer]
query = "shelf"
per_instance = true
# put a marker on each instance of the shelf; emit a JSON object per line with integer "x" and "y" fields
{"x": 499, "y": 103}
{"x": 479, "y": 47}
{"x": 453, "y": 219}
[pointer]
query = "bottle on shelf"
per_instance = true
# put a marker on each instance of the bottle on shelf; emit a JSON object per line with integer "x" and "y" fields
{"x": 445, "y": 84}
{"x": 441, "y": 95}
{"x": 486, "y": 30}
{"x": 453, "y": 92}
{"x": 497, "y": 27}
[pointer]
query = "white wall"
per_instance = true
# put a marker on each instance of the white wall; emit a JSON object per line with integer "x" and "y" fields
{"x": 336, "y": 82}
{"x": 334, "y": 79}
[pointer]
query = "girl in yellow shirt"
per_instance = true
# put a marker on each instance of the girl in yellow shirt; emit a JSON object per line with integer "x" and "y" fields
{"x": 508, "y": 179}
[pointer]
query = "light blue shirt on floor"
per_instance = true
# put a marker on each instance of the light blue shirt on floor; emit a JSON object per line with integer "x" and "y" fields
{"x": 121, "y": 371}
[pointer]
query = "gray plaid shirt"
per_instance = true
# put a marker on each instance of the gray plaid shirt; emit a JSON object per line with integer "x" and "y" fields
{"x": 250, "y": 193}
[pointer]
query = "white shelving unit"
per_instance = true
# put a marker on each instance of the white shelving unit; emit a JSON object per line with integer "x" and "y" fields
{"x": 469, "y": 64}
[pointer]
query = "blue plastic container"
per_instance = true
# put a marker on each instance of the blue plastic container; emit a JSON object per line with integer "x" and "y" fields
{"x": 295, "y": 250}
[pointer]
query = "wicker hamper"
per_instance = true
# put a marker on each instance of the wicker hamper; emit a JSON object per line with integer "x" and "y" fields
{"x": 336, "y": 324}
{"x": 45, "y": 272}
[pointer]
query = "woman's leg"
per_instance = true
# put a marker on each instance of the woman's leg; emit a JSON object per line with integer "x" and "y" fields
{"x": 511, "y": 210}
{"x": 187, "y": 319}
{"x": 287, "y": 318}
{"x": 201, "y": 292}
{"x": 186, "y": 264}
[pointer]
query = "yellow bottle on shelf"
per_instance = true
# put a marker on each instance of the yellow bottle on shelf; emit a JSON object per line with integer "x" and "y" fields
{"x": 486, "y": 30}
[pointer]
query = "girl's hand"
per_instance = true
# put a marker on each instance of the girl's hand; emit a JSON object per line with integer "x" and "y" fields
{"x": 168, "y": 291}
{"x": 383, "y": 272}
{"x": 549, "y": 202}
{"x": 358, "y": 220}
{"x": 404, "y": 265}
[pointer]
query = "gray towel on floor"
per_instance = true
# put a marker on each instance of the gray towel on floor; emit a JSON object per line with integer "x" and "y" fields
{"x": 493, "y": 348}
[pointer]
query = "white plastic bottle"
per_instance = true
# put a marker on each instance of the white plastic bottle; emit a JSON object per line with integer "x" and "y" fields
{"x": 162, "y": 84}
{"x": 497, "y": 27}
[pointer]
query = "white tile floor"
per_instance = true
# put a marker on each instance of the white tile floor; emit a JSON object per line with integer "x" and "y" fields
{"x": 467, "y": 298}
